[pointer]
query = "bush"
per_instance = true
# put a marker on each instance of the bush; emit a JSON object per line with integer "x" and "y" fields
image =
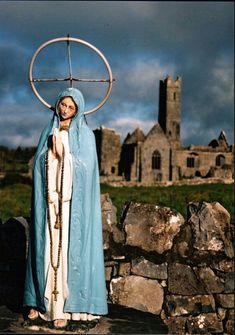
{"x": 15, "y": 178}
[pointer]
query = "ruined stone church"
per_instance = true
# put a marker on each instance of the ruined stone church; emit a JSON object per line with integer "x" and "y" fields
{"x": 159, "y": 156}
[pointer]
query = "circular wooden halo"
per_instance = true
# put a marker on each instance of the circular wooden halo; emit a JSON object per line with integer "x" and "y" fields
{"x": 77, "y": 40}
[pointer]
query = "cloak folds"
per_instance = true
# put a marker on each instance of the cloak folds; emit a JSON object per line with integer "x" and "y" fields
{"x": 86, "y": 276}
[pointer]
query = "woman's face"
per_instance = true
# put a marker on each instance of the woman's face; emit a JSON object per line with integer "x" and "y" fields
{"x": 67, "y": 108}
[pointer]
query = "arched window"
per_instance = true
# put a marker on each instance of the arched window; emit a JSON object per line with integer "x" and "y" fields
{"x": 220, "y": 160}
{"x": 190, "y": 162}
{"x": 156, "y": 160}
{"x": 193, "y": 160}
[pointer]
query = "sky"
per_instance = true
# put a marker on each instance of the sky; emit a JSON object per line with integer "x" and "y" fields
{"x": 143, "y": 42}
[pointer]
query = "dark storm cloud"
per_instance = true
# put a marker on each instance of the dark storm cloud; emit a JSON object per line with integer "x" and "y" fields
{"x": 13, "y": 69}
{"x": 143, "y": 42}
{"x": 18, "y": 127}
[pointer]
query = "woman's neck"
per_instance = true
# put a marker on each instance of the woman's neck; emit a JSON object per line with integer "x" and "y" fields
{"x": 65, "y": 123}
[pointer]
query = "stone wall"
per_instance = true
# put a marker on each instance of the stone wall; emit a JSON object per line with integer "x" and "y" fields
{"x": 204, "y": 162}
{"x": 181, "y": 270}
{"x": 156, "y": 261}
{"x": 119, "y": 182}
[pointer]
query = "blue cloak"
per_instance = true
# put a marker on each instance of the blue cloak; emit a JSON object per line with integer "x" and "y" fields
{"x": 86, "y": 276}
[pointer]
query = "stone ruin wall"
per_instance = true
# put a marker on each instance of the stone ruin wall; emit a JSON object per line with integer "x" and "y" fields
{"x": 108, "y": 147}
{"x": 204, "y": 164}
{"x": 180, "y": 270}
{"x": 148, "y": 147}
{"x": 135, "y": 165}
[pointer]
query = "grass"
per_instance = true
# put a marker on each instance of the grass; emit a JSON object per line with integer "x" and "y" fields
{"x": 15, "y": 201}
{"x": 175, "y": 197}
{"x": 15, "y": 198}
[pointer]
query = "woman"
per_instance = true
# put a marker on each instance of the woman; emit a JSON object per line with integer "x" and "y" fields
{"x": 65, "y": 266}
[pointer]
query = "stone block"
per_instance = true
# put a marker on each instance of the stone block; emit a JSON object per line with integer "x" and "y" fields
{"x": 221, "y": 312}
{"x": 176, "y": 305}
{"x": 225, "y": 300}
{"x": 229, "y": 326}
{"x": 210, "y": 223}
{"x": 151, "y": 228}
{"x": 109, "y": 222}
{"x": 207, "y": 323}
{"x": 182, "y": 280}
{"x": 229, "y": 282}
{"x": 142, "y": 267}
{"x": 224, "y": 265}
{"x": 124, "y": 269}
{"x": 176, "y": 325}
{"x": 210, "y": 281}
{"x": 137, "y": 292}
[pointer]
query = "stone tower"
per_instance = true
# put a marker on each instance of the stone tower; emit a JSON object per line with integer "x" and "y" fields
{"x": 170, "y": 108}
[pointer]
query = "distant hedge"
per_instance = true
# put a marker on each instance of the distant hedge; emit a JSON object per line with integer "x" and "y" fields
{"x": 14, "y": 178}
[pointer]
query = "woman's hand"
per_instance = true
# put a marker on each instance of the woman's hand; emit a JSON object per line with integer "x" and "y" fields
{"x": 57, "y": 145}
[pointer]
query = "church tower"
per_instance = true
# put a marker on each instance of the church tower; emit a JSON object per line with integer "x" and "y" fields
{"x": 170, "y": 109}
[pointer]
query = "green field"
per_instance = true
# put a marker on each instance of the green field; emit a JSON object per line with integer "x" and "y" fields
{"x": 175, "y": 197}
{"x": 15, "y": 198}
{"x": 15, "y": 201}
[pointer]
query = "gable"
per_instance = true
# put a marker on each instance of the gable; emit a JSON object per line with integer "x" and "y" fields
{"x": 157, "y": 135}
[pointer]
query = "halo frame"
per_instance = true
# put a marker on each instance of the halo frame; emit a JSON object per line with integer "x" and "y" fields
{"x": 89, "y": 45}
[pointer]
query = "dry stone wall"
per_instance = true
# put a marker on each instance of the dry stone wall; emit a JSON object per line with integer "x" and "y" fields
{"x": 156, "y": 261}
{"x": 181, "y": 270}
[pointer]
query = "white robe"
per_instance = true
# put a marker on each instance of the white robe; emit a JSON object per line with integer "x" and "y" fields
{"x": 55, "y": 308}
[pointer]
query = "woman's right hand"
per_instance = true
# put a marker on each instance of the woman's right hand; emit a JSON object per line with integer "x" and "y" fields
{"x": 57, "y": 145}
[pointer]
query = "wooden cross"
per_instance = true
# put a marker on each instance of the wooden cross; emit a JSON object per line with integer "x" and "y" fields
{"x": 55, "y": 292}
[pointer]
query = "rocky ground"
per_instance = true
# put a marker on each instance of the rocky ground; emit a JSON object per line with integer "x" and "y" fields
{"x": 120, "y": 320}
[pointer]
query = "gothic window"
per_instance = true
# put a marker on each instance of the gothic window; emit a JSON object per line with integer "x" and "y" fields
{"x": 193, "y": 160}
{"x": 113, "y": 169}
{"x": 156, "y": 160}
{"x": 220, "y": 160}
{"x": 190, "y": 162}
